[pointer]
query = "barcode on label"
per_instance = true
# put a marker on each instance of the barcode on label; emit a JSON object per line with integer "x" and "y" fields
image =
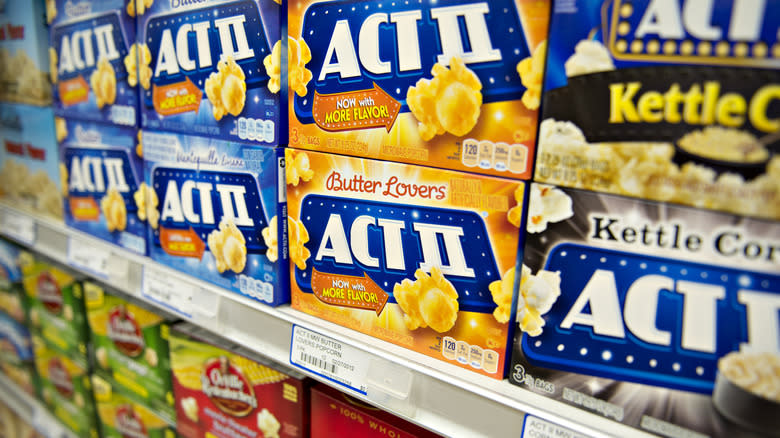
{"x": 319, "y": 363}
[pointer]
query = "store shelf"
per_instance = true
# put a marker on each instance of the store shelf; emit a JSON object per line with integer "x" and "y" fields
{"x": 431, "y": 393}
{"x": 31, "y": 410}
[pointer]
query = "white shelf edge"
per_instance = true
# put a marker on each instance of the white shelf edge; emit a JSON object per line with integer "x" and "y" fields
{"x": 31, "y": 410}
{"x": 447, "y": 399}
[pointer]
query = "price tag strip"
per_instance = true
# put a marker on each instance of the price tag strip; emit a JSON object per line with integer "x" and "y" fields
{"x": 329, "y": 358}
{"x": 18, "y": 226}
{"x": 534, "y": 427}
{"x": 168, "y": 291}
{"x": 92, "y": 259}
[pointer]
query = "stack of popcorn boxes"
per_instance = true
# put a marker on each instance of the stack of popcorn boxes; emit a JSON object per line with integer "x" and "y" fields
{"x": 95, "y": 75}
{"x": 650, "y": 272}
{"x": 29, "y": 170}
{"x": 212, "y": 115}
{"x": 132, "y": 366}
{"x": 415, "y": 236}
{"x": 60, "y": 339}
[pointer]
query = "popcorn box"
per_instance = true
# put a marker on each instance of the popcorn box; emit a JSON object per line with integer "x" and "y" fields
{"x": 23, "y": 375}
{"x": 334, "y": 413}
{"x": 420, "y": 257}
{"x": 103, "y": 168}
{"x": 30, "y": 175}
{"x": 13, "y": 301}
{"x": 93, "y": 56}
{"x": 221, "y": 392}
{"x": 24, "y": 60}
{"x": 65, "y": 388}
{"x": 213, "y": 69}
{"x": 642, "y": 100}
{"x": 452, "y": 84}
{"x": 130, "y": 345}
{"x": 121, "y": 415}
{"x": 15, "y": 344}
{"x": 214, "y": 208}
{"x": 56, "y": 306}
{"x": 631, "y": 306}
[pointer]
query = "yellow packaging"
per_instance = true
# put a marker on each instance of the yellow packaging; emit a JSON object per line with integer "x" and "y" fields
{"x": 420, "y": 257}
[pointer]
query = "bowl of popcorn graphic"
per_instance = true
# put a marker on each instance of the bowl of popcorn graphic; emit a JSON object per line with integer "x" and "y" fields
{"x": 747, "y": 390}
{"x": 726, "y": 150}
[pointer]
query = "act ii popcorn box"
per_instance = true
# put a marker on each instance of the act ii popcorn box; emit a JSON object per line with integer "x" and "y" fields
{"x": 24, "y": 60}
{"x": 421, "y": 257}
{"x": 56, "y": 302}
{"x": 103, "y": 171}
{"x": 130, "y": 345}
{"x": 121, "y": 415}
{"x": 630, "y": 307}
{"x": 668, "y": 101}
{"x": 213, "y": 68}
{"x": 92, "y": 55}
{"x": 30, "y": 175}
{"x": 65, "y": 388}
{"x": 217, "y": 210}
{"x": 220, "y": 391}
{"x": 453, "y": 84}
{"x": 334, "y": 413}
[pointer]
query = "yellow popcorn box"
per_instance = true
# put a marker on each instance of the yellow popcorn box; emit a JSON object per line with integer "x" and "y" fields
{"x": 452, "y": 84}
{"x": 641, "y": 102}
{"x": 420, "y": 257}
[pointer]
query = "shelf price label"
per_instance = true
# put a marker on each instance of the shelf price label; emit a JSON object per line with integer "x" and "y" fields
{"x": 86, "y": 257}
{"x": 329, "y": 358}
{"x": 534, "y": 427}
{"x": 18, "y": 226}
{"x": 169, "y": 291}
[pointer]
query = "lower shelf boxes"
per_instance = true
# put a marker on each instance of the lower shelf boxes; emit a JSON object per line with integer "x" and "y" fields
{"x": 222, "y": 393}
{"x": 122, "y": 415}
{"x": 130, "y": 344}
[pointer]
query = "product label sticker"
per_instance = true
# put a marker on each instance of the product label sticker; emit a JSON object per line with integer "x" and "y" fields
{"x": 93, "y": 58}
{"x": 168, "y": 291}
{"x": 676, "y": 102}
{"x": 631, "y": 296}
{"x": 534, "y": 427}
{"x": 329, "y": 358}
{"x": 369, "y": 79}
{"x": 89, "y": 258}
{"x": 18, "y": 226}
{"x": 211, "y": 69}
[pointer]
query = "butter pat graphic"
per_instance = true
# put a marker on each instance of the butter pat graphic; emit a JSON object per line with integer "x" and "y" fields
{"x": 411, "y": 255}
{"x": 214, "y": 207}
{"x": 418, "y": 82}
{"x": 212, "y": 69}
{"x": 103, "y": 178}
{"x": 94, "y": 60}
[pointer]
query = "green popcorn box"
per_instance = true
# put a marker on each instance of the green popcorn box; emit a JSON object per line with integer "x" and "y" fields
{"x": 56, "y": 306}
{"x": 65, "y": 388}
{"x": 130, "y": 344}
{"x": 122, "y": 415}
{"x": 13, "y": 301}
